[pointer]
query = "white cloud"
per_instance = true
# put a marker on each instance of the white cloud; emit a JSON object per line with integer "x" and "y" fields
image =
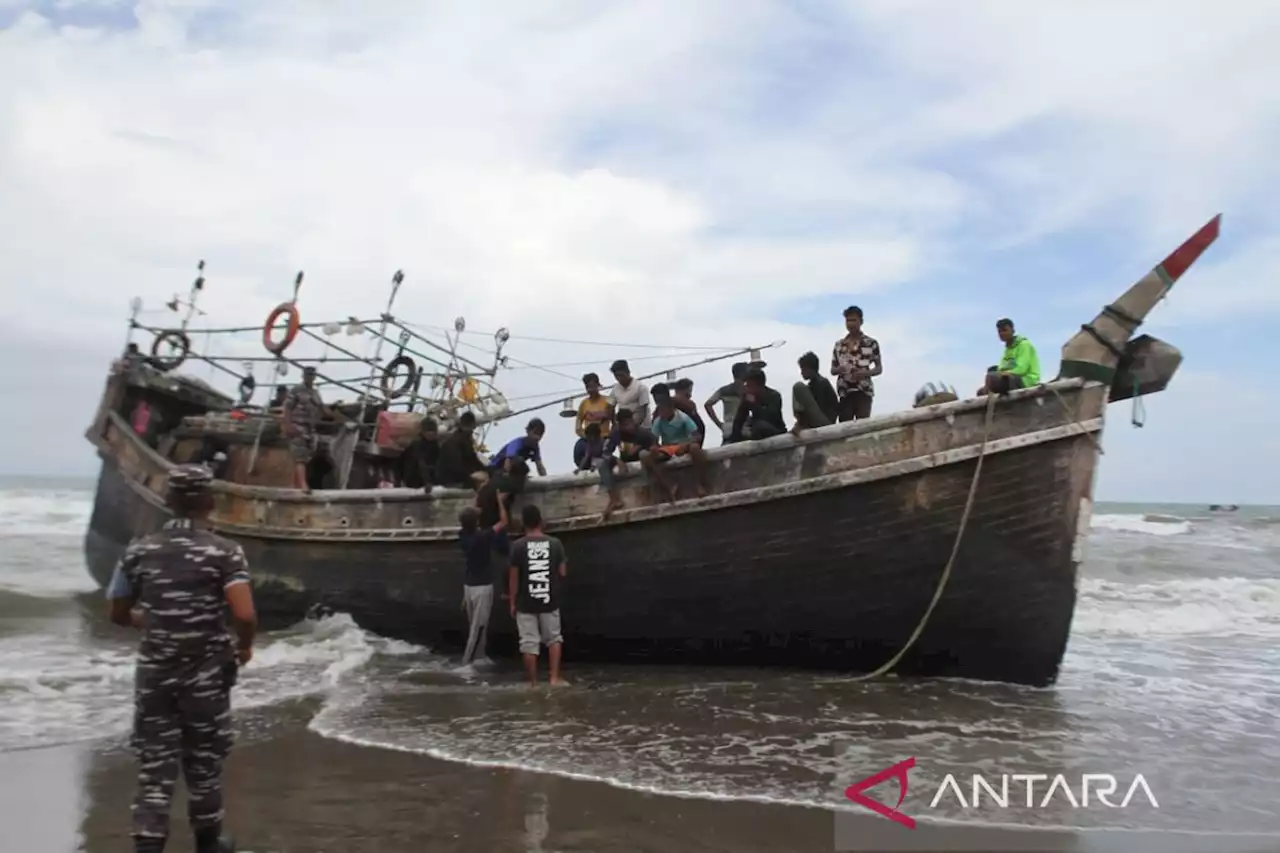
{"x": 618, "y": 172}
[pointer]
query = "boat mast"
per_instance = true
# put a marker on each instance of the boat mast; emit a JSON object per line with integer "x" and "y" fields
{"x": 1095, "y": 351}
{"x": 396, "y": 281}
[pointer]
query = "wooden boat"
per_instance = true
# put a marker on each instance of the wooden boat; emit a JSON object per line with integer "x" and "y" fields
{"x": 943, "y": 539}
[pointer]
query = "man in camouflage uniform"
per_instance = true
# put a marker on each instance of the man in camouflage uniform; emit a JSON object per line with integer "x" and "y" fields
{"x": 175, "y": 586}
{"x": 302, "y": 409}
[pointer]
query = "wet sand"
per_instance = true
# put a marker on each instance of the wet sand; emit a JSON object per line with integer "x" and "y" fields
{"x": 291, "y": 791}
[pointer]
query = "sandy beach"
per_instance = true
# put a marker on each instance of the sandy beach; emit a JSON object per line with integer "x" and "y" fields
{"x": 291, "y": 791}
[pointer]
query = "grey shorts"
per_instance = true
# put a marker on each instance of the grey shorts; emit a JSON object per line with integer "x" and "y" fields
{"x": 538, "y": 628}
{"x": 303, "y": 447}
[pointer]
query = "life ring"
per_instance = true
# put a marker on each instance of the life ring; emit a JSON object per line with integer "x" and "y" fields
{"x": 176, "y": 338}
{"x": 247, "y": 386}
{"x": 389, "y": 374}
{"x": 290, "y": 332}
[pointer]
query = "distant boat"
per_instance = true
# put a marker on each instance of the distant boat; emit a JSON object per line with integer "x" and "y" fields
{"x": 1223, "y": 507}
{"x": 819, "y": 550}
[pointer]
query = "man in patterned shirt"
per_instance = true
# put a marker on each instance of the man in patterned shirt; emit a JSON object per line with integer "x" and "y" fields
{"x": 854, "y": 361}
{"x": 175, "y": 586}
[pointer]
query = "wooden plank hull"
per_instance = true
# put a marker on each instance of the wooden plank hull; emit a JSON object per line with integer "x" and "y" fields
{"x": 835, "y": 577}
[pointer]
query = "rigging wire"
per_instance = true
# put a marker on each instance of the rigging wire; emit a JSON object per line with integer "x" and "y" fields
{"x": 613, "y": 344}
{"x": 680, "y": 354}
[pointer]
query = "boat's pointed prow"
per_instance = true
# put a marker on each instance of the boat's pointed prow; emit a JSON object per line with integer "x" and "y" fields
{"x": 1181, "y": 258}
{"x": 1096, "y": 350}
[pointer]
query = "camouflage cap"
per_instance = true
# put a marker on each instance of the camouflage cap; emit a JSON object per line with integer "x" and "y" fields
{"x": 190, "y": 479}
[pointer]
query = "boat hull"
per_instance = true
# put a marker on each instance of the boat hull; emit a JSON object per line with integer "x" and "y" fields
{"x": 832, "y": 579}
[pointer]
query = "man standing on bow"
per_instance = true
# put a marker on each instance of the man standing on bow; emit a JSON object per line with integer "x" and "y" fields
{"x": 175, "y": 586}
{"x": 855, "y": 359}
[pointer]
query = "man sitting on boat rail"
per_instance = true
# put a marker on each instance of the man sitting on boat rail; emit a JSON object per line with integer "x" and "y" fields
{"x": 629, "y": 393}
{"x": 682, "y": 399}
{"x": 760, "y": 409}
{"x": 625, "y": 432}
{"x": 589, "y": 450}
{"x": 303, "y": 408}
{"x": 1019, "y": 365}
{"x": 813, "y": 401}
{"x": 526, "y": 447}
{"x": 730, "y": 395}
{"x": 459, "y": 466}
{"x": 677, "y": 435}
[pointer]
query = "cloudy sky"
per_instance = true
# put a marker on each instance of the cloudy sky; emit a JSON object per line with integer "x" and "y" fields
{"x": 674, "y": 174}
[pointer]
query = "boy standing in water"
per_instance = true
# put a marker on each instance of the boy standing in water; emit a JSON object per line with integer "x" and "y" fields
{"x": 538, "y": 567}
{"x": 478, "y": 544}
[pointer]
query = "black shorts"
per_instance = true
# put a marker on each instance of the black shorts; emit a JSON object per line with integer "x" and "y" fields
{"x": 855, "y": 405}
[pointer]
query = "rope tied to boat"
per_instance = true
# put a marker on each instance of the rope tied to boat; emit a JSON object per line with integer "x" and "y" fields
{"x": 955, "y": 549}
{"x": 1075, "y": 418}
{"x": 1138, "y": 414}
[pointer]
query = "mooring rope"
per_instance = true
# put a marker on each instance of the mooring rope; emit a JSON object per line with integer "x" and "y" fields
{"x": 1075, "y": 418}
{"x": 955, "y": 549}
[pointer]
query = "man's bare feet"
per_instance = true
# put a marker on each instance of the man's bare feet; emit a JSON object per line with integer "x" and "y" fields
{"x": 559, "y": 682}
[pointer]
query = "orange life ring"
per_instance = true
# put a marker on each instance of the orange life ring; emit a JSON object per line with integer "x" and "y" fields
{"x": 291, "y": 332}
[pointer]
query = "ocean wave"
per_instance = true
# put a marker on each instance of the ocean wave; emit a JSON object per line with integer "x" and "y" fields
{"x": 55, "y": 689}
{"x": 1151, "y": 524}
{"x": 44, "y": 512}
{"x": 1225, "y": 606}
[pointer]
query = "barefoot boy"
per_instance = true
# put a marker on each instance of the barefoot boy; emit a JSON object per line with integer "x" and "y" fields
{"x": 537, "y": 572}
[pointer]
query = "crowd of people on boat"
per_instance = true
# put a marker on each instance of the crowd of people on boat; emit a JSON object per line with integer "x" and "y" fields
{"x": 636, "y": 424}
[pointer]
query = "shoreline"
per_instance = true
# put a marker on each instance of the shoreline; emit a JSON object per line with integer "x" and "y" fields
{"x": 290, "y": 790}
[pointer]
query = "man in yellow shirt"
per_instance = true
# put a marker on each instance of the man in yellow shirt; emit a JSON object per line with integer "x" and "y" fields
{"x": 594, "y": 408}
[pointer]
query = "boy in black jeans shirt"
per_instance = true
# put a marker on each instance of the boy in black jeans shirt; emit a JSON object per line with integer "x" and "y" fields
{"x": 538, "y": 567}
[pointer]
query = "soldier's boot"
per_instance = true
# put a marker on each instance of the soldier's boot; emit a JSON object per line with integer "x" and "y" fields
{"x": 149, "y": 843}
{"x": 210, "y": 839}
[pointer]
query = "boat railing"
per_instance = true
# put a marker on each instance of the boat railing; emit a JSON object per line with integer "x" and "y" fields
{"x": 1056, "y": 392}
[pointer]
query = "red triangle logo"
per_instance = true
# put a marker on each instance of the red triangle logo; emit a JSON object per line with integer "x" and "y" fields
{"x": 897, "y": 771}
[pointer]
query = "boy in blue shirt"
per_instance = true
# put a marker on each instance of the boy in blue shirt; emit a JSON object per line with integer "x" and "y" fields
{"x": 677, "y": 435}
{"x": 527, "y": 447}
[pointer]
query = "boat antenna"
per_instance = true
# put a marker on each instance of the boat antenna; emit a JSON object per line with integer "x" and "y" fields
{"x": 135, "y": 308}
{"x": 190, "y": 303}
{"x": 396, "y": 281}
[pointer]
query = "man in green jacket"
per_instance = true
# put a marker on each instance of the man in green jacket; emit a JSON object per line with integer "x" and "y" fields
{"x": 1019, "y": 366}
